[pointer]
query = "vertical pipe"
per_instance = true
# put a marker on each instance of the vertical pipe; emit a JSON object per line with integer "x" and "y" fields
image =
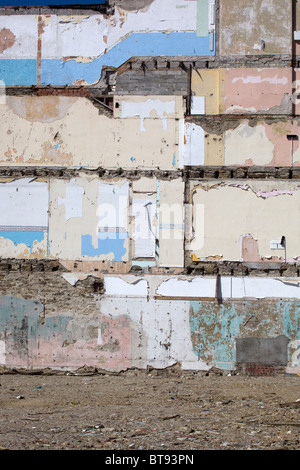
{"x": 293, "y": 58}
{"x": 189, "y": 100}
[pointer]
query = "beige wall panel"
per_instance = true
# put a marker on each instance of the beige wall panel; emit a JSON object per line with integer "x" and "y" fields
{"x": 65, "y": 231}
{"x": 247, "y": 145}
{"x": 80, "y": 209}
{"x": 171, "y": 220}
{"x": 74, "y": 134}
{"x": 214, "y": 149}
{"x": 262, "y": 143}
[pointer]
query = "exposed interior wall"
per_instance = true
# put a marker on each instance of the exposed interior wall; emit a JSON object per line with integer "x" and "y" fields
{"x": 63, "y": 131}
{"x": 144, "y": 320}
{"x": 89, "y": 42}
{"x": 89, "y": 219}
{"x": 149, "y": 185}
{"x": 265, "y": 143}
{"x": 145, "y": 132}
{"x": 239, "y": 220}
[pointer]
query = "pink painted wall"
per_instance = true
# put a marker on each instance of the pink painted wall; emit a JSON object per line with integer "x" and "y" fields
{"x": 282, "y": 153}
{"x": 64, "y": 347}
{"x": 256, "y": 142}
{"x": 258, "y": 90}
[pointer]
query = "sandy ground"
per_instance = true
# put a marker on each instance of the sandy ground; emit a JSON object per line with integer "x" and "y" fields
{"x": 156, "y": 410}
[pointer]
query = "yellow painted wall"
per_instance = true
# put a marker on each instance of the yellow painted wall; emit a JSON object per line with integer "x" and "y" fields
{"x": 210, "y": 84}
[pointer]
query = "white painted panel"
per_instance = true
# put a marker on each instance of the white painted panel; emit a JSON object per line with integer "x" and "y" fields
{"x": 144, "y": 213}
{"x": 197, "y": 287}
{"x": 73, "y": 200}
{"x": 297, "y": 35}
{"x": 163, "y": 329}
{"x": 181, "y": 143}
{"x": 231, "y": 287}
{"x": 73, "y": 278}
{"x": 22, "y": 29}
{"x": 194, "y": 145}
{"x": 117, "y": 287}
{"x": 112, "y": 209}
{"x": 212, "y": 15}
{"x": 198, "y": 105}
{"x": 2, "y": 352}
{"x": 254, "y": 287}
{"x": 149, "y": 108}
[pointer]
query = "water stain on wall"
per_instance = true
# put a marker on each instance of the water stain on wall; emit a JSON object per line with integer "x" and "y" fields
{"x": 7, "y": 39}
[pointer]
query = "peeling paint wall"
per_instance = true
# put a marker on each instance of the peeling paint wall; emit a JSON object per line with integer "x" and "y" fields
{"x": 266, "y": 91}
{"x": 263, "y": 144}
{"x": 146, "y": 132}
{"x": 63, "y": 131}
{"x": 150, "y": 320}
{"x": 243, "y": 28}
{"x": 87, "y": 43}
{"x": 243, "y": 142}
{"x": 243, "y": 90}
{"x": 88, "y": 219}
{"x": 24, "y": 219}
{"x": 234, "y": 94}
{"x": 95, "y": 218}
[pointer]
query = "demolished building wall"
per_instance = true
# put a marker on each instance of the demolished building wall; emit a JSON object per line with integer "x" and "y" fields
{"x": 149, "y": 186}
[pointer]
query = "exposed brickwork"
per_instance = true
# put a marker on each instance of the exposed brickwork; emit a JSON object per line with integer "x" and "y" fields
{"x": 200, "y": 172}
{"x": 260, "y": 370}
{"x": 208, "y": 268}
{"x": 52, "y": 290}
{"x": 231, "y": 268}
{"x": 29, "y": 265}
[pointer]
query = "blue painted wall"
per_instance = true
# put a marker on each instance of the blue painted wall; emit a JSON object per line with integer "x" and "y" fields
{"x": 112, "y": 242}
{"x": 58, "y": 72}
{"x": 14, "y": 72}
{"x": 18, "y": 237}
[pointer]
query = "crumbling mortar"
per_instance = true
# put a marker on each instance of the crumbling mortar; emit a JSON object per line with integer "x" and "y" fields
{"x": 203, "y": 268}
{"x": 30, "y": 265}
{"x": 219, "y": 124}
{"x": 238, "y": 268}
{"x": 58, "y": 10}
{"x": 187, "y": 173}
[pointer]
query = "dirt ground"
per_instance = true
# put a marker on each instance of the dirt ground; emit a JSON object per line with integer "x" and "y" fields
{"x": 148, "y": 410}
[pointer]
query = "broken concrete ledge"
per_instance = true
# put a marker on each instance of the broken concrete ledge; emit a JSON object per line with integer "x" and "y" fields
{"x": 174, "y": 370}
{"x": 199, "y": 172}
{"x": 247, "y": 370}
{"x": 30, "y": 265}
{"x": 237, "y": 268}
{"x": 197, "y": 268}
